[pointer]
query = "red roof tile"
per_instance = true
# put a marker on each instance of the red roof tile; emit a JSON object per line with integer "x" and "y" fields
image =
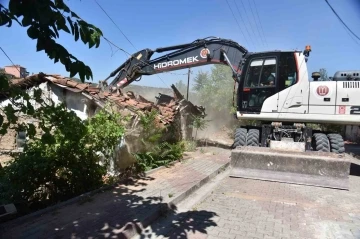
{"x": 167, "y": 108}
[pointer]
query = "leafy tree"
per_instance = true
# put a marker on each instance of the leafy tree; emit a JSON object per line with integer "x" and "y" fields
{"x": 215, "y": 90}
{"x": 64, "y": 160}
{"x": 200, "y": 80}
{"x": 182, "y": 87}
{"x": 199, "y": 123}
{"x": 45, "y": 20}
{"x": 323, "y": 75}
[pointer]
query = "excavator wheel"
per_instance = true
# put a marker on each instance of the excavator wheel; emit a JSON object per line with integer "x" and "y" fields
{"x": 240, "y": 137}
{"x": 336, "y": 143}
{"x": 253, "y": 137}
{"x": 321, "y": 142}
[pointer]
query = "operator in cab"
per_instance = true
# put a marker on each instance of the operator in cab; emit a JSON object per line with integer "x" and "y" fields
{"x": 267, "y": 78}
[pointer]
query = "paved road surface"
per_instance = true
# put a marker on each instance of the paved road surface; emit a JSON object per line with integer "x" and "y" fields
{"x": 244, "y": 208}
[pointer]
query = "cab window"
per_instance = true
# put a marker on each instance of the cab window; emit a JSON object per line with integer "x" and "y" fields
{"x": 261, "y": 73}
{"x": 289, "y": 71}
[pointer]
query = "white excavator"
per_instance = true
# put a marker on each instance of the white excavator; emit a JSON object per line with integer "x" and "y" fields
{"x": 273, "y": 87}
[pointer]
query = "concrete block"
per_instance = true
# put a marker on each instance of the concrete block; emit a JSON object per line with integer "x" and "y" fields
{"x": 287, "y": 146}
{"x": 310, "y": 167}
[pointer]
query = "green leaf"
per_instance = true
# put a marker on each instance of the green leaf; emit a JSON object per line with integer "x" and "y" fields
{"x": 55, "y": 30}
{"x": 73, "y": 14}
{"x": 10, "y": 113}
{"x": 1, "y": 120}
{"x": 83, "y": 34}
{"x": 40, "y": 45}
{"x": 4, "y": 82}
{"x": 26, "y": 21}
{"x": 4, "y": 127}
{"x": 81, "y": 69}
{"x": 76, "y": 26}
{"x": 37, "y": 94}
{"x": 61, "y": 24}
{"x": 47, "y": 138}
{"x": 30, "y": 109}
{"x": 71, "y": 25}
{"x": 31, "y": 130}
{"x": 73, "y": 69}
{"x": 32, "y": 32}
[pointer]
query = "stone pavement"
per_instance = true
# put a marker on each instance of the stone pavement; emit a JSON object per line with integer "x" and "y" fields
{"x": 245, "y": 208}
{"x": 113, "y": 212}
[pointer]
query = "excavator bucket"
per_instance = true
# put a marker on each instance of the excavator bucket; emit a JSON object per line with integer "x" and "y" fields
{"x": 306, "y": 168}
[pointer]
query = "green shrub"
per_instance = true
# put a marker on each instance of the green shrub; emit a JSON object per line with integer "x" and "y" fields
{"x": 63, "y": 164}
{"x": 162, "y": 155}
{"x": 156, "y": 152}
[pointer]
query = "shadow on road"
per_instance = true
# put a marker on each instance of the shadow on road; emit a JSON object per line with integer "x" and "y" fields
{"x": 354, "y": 150}
{"x": 180, "y": 225}
{"x": 355, "y": 169}
{"x": 131, "y": 205}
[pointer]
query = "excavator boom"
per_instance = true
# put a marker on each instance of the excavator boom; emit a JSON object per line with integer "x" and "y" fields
{"x": 200, "y": 52}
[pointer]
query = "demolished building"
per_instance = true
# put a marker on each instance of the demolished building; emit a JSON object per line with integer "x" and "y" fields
{"x": 85, "y": 100}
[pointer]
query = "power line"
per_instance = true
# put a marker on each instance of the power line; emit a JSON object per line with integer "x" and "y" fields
{"x": 237, "y": 22}
{"x": 9, "y": 59}
{"x": 126, "y": 39}
{"x": 130, "y": 56}
{"x": 242, "y": 3}
{"x": 244, "y": 23}
{"x": 262, "y": 30}
{"x": 256, "y": 25}
{"x": 115, "y": 24}
{"x": 342, "y": 20}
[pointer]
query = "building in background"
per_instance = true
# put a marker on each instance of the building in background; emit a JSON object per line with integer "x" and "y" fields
{"x": 17, "y": 71}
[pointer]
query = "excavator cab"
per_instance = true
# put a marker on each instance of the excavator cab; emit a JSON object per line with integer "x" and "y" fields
{"x": 264, "y": 75}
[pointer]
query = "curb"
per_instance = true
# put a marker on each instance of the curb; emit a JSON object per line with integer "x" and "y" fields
{"x": 73, "y": 200}
{"x": 132, "y": 229}
{"x": 206, "y": 143}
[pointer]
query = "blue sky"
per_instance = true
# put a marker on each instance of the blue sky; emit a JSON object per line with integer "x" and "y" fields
{"x": 287, "y": 24}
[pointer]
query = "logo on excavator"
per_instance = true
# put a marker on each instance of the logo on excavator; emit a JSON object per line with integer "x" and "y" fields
{"x": 322, "y": 90}
{"x": 204, "y": 52}
{"x": 176, "y": 62}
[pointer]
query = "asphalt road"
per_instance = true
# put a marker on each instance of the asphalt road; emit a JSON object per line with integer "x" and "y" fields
{"x": 243, "y": 208}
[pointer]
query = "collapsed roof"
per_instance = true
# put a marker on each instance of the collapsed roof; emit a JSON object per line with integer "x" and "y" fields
{"x": 167, "y": 106}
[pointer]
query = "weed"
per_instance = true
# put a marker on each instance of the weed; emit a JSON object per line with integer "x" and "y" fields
{"x": 190, "y": 145}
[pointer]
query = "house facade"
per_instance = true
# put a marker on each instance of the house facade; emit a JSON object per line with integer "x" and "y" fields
{"x": 17, "y": 71}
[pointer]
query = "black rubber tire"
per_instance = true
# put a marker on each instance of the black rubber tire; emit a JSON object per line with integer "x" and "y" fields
{"x": 337, "y": 144}
{"x": 253, "y": 137}
{"x": 240, "y": 137}
{"x": 321, "y": 142}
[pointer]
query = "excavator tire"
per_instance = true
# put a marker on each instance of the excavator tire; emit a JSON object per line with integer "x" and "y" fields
{"x": 240, "y": 137}
{"x": 321, "y": 142}
{"x": 253, "y": 137}
{"x": 337, "y": 144}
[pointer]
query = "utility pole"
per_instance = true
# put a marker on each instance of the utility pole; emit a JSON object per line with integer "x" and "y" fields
{"x": 187, "y": 91}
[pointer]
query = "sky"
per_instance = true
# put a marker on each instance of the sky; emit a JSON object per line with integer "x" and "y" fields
{"x": 284, "y": 25}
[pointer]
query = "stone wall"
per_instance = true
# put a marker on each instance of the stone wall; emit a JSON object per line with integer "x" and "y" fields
{"x": 8, "y": 142}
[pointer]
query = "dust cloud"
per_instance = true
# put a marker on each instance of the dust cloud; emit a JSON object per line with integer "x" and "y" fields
{"x": 220, "y": 126}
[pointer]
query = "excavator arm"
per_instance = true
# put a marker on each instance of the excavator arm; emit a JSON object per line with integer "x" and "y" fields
{"x": 200, "y": 52}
